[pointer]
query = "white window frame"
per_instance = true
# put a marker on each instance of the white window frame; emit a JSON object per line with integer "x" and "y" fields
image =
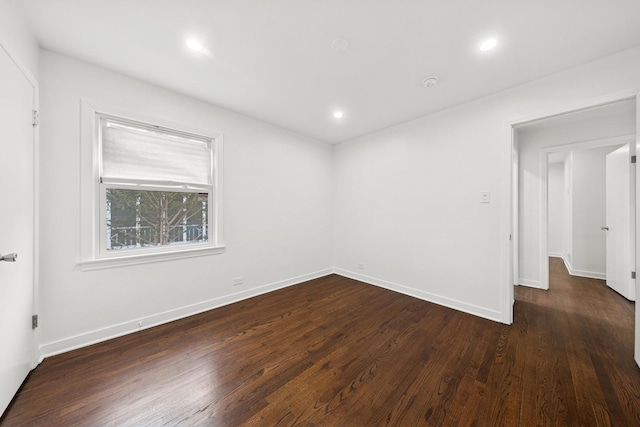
{"x": 94, "y": 254}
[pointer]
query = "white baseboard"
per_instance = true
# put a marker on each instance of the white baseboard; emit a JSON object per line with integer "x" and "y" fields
{"x": 588, "y": 274}
{"x": 114, "y": 331}
{"x": 530, "y": 283}
{"x": 426, "y": 296}
{"x": 555, "y": 254}
{"x": 583, "y": 273}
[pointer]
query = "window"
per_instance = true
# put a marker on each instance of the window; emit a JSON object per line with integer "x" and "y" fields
{"x": 143, "y": 218}
{"x": 156, "y": 191}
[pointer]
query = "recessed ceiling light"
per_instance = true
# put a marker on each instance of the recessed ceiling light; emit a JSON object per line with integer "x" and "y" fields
{"x": 488, "y": 44}
{"x": 194, "y": 44}
{"x": 338, "y": 114}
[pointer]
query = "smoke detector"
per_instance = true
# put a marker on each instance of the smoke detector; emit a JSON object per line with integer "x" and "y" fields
{"x": 340, "y": 45}
{"x": 430, "y": 81}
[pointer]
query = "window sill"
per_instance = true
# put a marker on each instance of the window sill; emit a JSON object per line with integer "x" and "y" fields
{"x": 145, "y": 258}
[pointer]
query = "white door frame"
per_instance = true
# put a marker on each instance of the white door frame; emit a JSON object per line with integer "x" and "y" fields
{"x": 636, "y": 352}
{"x": 510, "y": 211}
{"x": 544, "y": 206}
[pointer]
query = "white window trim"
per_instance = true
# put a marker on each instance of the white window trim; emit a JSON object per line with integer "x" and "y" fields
{"x": 91, "y": 256}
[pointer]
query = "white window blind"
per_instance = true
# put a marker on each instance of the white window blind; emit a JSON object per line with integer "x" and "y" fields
{"x": 132, "y": 152}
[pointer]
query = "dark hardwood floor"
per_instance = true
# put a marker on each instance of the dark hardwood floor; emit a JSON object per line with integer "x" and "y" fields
{"x": 337, "y": 352}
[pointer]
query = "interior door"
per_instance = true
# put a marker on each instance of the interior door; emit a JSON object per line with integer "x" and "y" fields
{"x": 618, "y": 227}
{"x": 17, "y": 195}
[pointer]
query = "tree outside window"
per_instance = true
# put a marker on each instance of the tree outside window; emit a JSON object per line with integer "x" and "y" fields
{"x": 140, "y": 218}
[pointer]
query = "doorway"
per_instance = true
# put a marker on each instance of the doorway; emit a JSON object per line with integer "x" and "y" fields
{"x": 590, "y": 195}
{"x": 529, "y": 256}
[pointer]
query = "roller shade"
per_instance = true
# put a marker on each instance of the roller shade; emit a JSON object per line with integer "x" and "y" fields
{"x": 153, "y": 154}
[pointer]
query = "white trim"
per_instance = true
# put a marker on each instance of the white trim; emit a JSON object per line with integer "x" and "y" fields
{"x": 531, "y": 284}
{"x": 218, "y": 190}
{"x": 506, "y": 288}
{"x": 146, "y": 257}
{"x": 544, "y": 220}
{"x": 555, "y": 254}
{"x": 92, "y": 256}
{"x": 544, "y": 198}
{"x": 585, "y": 104}
{"x": 426, "y": 296}
{"x": 635, "y": 241}
{"x": 590, "y": 143}
{"x": 567, "y": 263}
{"x": 509, "y": 232}
{"x": 36, "y": 226}
{"x": 582, "y": 273}
{"x": 103, "y": 334}
{"x": 588, "y": 274}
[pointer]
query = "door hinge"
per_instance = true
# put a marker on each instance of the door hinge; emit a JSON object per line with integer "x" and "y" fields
{"x": 633, "y": 274}
{"x": 35, "y": 118}
{"x": 34, "y": 321}
{"x": 633, "y": 159}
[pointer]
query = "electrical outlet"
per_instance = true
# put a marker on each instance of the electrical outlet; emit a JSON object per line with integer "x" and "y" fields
{"x": 140, "y": 324}
{"x": 238, "y": 281}
{"x": 485, "y": 197}
{"x": 360, "y": 265}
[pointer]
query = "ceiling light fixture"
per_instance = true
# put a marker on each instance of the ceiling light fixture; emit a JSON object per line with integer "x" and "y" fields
{"x": 488, "y": 44}
{"x": 194, "y": 44}
{"x": 338, "y": 114}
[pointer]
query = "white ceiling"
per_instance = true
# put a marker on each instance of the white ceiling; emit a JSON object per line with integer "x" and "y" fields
{"x": 272, "y": 59}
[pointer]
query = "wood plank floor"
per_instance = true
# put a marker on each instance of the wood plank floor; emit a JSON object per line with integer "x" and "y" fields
{"x": 337, "y": 352}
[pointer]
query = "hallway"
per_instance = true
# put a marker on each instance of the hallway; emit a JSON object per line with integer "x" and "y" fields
{"x": 580, "y": 336}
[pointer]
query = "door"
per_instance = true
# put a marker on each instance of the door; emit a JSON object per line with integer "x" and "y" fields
{"x": 618, "y": 227}
{"x": 17, "y": 195}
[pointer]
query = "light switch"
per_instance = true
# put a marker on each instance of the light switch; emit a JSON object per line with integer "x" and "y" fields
{"x": 485, "y": 197}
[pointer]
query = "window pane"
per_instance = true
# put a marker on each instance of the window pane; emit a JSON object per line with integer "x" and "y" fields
{"x": 139, "y": 219}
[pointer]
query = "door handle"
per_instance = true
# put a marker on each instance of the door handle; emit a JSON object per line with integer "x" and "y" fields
{"x": 605, "y": 228}
{"x": 9, "y": 257}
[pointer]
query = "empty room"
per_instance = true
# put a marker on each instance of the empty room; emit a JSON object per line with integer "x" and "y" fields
{"x": 338, "y": 213}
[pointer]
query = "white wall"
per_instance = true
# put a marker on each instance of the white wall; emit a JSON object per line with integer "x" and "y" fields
{"x": 604, "y": 122}
{"x": 277, "y": 212}
{"x": 557, "y": 195}
{"x": 589, "y": 257}
{"x": 568, "y": 209}
{"x": 407, "y": 199}
{"x": 577, "y": 210}
{"x": 405, "y": 202}
{"x": 16, "y": 37}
